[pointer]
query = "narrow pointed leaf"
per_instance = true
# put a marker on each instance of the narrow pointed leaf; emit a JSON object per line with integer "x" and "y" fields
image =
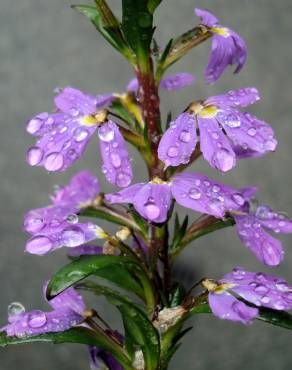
{"x": 153, "y": 4}
{"x": 75, "y": 335}
{"x": 178, "y": 236}
{"x": 115, "y": 269}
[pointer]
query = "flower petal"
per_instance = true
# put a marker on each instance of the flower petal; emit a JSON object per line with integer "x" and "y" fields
{"x": 83, "y": 188}
{"x": 116, "y": 162}
{"x": 69, "y": 236}
{"x": 69, "y": 299}
{"x": 60, "y": 148}
{"x": 179, "y": 141}
{"x": 207, "y": 18}
{"x": 83, "y": 250}
{"x": 124, "y": 196}
{"x": 215, "y": 146}
{"x": 235, "y": 98}
{"x": 201, "y": 194}
{"x": 177, "y": 81}
{"x": 272, "y": 220}
{"x": 75, "y": 102}
{"x": 227, "y": 307}
{"x": 248, "y": 131}
{"x": 266, "y": 248}
{"x": 261, "y": 289}
{"x": 39, "y": 322}
{"x": 153, "y": 201}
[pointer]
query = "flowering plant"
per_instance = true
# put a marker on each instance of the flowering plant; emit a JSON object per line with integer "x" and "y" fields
{"x": 135, "y": 263}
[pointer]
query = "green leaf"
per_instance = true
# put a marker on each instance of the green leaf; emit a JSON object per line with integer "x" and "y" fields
{"x": 116, "y": 269}
{"x": 138, "y": 29}
{"x": 117, "y": 108}
{"x": 177, "y": 294}
{"x": 153, "y": 4}
{"x": 161, "y": 62}
{"x": 138, "y": 328}
{"x": 274, "y": 317}
{"x": 75, "y": 335}
{"x": 106, "y": 23}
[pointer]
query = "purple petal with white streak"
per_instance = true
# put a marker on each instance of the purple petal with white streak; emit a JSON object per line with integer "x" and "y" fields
{"x": 277, "y": 222}
{"x": 235, "y": 98}
{"x": 177, "y": 81}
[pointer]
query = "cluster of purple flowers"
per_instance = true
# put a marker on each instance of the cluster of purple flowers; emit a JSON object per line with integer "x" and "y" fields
{"x": 224, "y": 134}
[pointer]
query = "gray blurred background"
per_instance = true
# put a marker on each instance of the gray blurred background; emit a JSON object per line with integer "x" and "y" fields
{"x": 44, "y": 44}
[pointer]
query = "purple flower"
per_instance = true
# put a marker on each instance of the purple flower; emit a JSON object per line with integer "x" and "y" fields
{"x": 153, "y": 200}
{"x": 100, "y": 359}
{"x": 225, "y": 132}
{"x": 172, "y": 82}
{"x": 63, "y": 136}
{"x": 67, "y": 312}
{"x": 228, "y": 47}
{"x": 257, "y": 288}
{"x": 251, "y": 226}
{"x": 57, "y": 225}
{"x": 85, "y": 250}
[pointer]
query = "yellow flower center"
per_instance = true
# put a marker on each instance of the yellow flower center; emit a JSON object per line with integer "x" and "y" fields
{"x": 222, "y": 31}
{"x": 157, "y": 180}
{"x": 200, "y": 110}
{"x": 100, "y": 117}
{"x": 213, "y": 287}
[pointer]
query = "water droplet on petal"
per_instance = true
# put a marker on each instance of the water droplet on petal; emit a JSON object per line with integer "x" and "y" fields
{"x": 15, "y": 309}
{"x": 73, "y": 236}
{"x": 80, "y": 134}
{"x": 55, "y": 222}
{"x": 37, "y": 319}
{"x": 123, "y": 180}
{"x": 195, "y": 193}
{"x": 238, "y": 273}
{"x": 232, "y": 120}
{"x": 238, "y": 199}
{"x": 115, "y": 160}
{"x": 152, "y": 210}
{"x": 34, "y": 155}
{"x": 34, "y": 125}
{"x": 185, "y": 136}
{"x": 33, "y": 224}
{"x": 223, "y": 160}
{"x": 172, "y": 152}
{"x": 261, "y": 289}
{"x": 74, "y": 112}
{"x": 215, "y": 188}
{"x": 54, "y": 161}
{"x": 215, "y": 135}
{"x": 72, "y": 219}
{"x": 252, "y": 131}
{"x": 270, "y": 145}
{"x": 279, "y": 305}
{"x": 39, "y": 245}
{"x": 282, "y": 286}
{"x": 106, "y": 134}
{"x": 265, "y": 299}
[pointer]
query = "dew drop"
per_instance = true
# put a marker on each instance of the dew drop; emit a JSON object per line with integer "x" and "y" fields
{"x": 34, "y": 125}
{"x": 215, "y": 188}
{"x": 123, "y": 180}
{"x": 238, "y": 273}
{"x": 39, "y": 245}
{"x": 232, "y": 120}
{"x": 172, "y": 152}
{"x": 265, "y": 299}
{"x": 152, "y": 210}
{"x": 74, "y": 112}
{"x": 252, "y": 131}
{"x": 261, "y": 289}
{"x": 37, "y": 319}
{"x": 34, "y": 155}
{"x": 195, "y": 193}
{"x": 33, "y": 224}
{"x": 238, "y": 199}
{"x": 282, "y": 287}
{"x": 106, "y": 134}
{"x": 54, "y": 161}
{"x": 115, "y": 160}
{"x": 73, "y": 236}
{"x": 279, "y": 305}
{"x": 80, "y": 134}
{"x": 72, "y": 218}
{"x": 223, "y": 160}
{"x": 185, "y": 136}
{"x": 15, "y": 309}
